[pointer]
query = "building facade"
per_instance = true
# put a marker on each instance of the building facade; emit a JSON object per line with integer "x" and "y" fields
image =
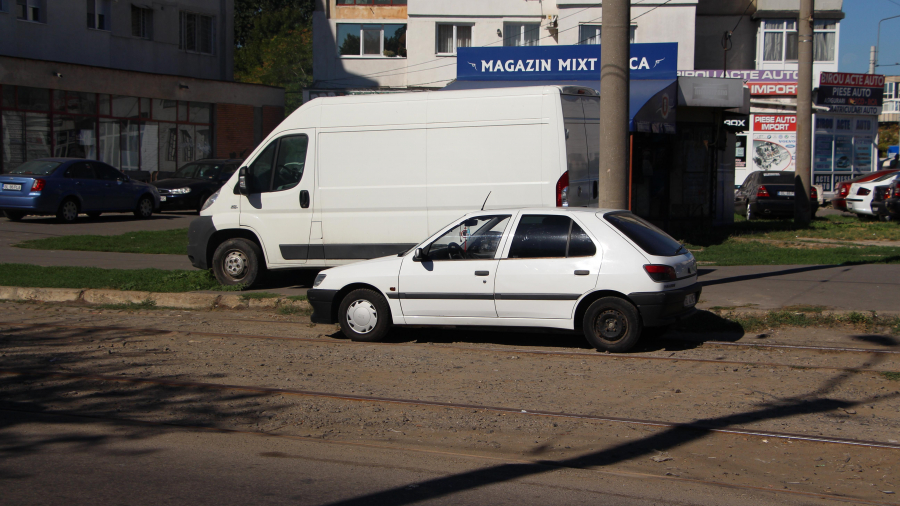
{"x": 143, "y": 86}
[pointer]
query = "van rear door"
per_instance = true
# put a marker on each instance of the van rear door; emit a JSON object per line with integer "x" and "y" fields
{"x": 279, "y": 205}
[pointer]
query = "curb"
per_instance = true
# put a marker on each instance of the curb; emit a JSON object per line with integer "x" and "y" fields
{"x": 173, "y": 300}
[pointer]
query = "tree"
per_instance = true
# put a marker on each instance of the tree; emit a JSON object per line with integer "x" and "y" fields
{"x": 247, "y": 11}
{"x": 277, "y": 51}
{"x": 887, "y": 136}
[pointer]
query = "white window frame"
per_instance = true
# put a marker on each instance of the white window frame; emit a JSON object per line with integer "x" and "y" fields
{"x": 362, "y": 40}
{"x": 146, "y": 21}
{"x": 522, "y": 26}
{"x": 890, "y": 90}
{"x": 182, "y": 33}
{"x": 101, "y": 8}
{"x": 581, "y": 41}
{"x": 784, "y": 38}
{"x": 437, "y": 41}
{"x": 30, "y": 5}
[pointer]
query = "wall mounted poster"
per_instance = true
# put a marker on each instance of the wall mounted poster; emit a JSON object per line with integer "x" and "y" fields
{"x": 822, "y": 158}
{"x": 843, "y": 152}
{"x": 774, "y": 151}
{"x": 862, "y": 154}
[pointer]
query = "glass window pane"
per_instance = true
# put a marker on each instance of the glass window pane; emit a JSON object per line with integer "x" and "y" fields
{"x": 13, "y": 138}
{"x": 182, "y": 111}
{"x": 348, "y": 39}
{"x": 472, "y": 239}
{"x": 589, "y": 34}
{"x": 205, "y": 34}
{"x": 37, "y": 136}
{"x": 130, "y": 146}
{"x": 168, "y": 142}
{"x": 345, "y": 2}
{"x": 259, "y": 174}
{"x": 512, "y": 34}
{"x": 145, "y": 108}
{"x": 291, "y": 160}
{"x": 124, "y": 107}
{"x": 164, "y": 109}
{"x": 80, "y": 170}
{"x": 580, "y": 245}
{"x": 372, "y": 41}
{"x": 74, "y": 137}
{"x": 398, "y": 2}
{"x": 463, "y": 36}
{"x": 445, "y": 39}
{"x": 395, "y": 40}
{"x": 774, "y": 24}
{"x": 149, "y": 147}
{"x": 823, "y": 46}
{"x": 382, "y": 2}
{"x": 109, "y": 141}
{"x": 202, "y": 142}
{"x": 772, "y": 46}
{"x": 791, "y": 49}
{"x": 540, "y": 236}
{"x": 532, "y": 34}
{"x": 790, "y": 25}
{"x": 103, "y": 104}
{"x": 34, "y": 99}
{"x": 631, "y": 34}
{"x": 74, "y": 102}
{"x": 200, "y": 112}
{"x": 190, "y": 32}
{"x": 825, "y": 24}
{"x": 186, "y": 151}
{"x": 9, "y": 96}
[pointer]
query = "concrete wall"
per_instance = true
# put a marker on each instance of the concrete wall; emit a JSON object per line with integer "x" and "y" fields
{"x": 708, "y": 42}
{"x": 65, "y": 37}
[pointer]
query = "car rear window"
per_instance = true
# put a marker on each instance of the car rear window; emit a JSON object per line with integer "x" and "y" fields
{"x": 35, "y": 168}
{"x": 777, "y": 178}
{"x": 646, "y": 235}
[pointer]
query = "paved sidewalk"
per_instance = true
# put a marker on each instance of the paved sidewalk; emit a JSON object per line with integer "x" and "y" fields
{"x": 874, "y": 287}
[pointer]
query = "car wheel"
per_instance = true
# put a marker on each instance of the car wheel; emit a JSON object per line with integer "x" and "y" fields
{"x": 202, "y": 201}
{"x": 237, "y": 262}
{"x": 68, "y": 211}
{"x": 612, "y": 324}
{"x": 364, "y": 315}
{"x": 144, "y": 208}
{"x": 15, "y": 215}
{"x": 94, "y": 215}
{"x": 750, "y": 214}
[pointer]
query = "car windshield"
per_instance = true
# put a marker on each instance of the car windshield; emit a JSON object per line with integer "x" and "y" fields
{"x": 646, "y": 235}
{"x": 35, "y": 168}
{"x": 198, "y": 171}
{"x": 777, "y": 178}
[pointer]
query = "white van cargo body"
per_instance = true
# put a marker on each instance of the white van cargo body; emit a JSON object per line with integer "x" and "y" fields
{"x": 344, "y": 179}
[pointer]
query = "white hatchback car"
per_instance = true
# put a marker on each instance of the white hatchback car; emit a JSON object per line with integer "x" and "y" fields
{"x": 859, "y": 198}
{"x": 607, "y": 272}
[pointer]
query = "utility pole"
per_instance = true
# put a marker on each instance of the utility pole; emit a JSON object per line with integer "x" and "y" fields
{"x": 615, "y": 53}
{"x": 872, "y": 60}
{"x": 802, "y": 210}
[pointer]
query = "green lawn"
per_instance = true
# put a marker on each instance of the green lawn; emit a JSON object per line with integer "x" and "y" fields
{"x": 150, "y": 280}
{"x": 164, "y": 242}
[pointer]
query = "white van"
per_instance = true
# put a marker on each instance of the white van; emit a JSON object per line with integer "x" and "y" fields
{"x": 344, "y": 179}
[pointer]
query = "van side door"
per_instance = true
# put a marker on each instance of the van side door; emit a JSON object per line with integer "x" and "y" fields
{"x": 278, "y": 205}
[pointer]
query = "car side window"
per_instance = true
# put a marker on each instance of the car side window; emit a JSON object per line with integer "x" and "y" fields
{"x": 291, "y": 160}
{"x": 107, "y": 173}
{"x": 259, "y": 172}
{"x": 80, "y": 170}
{"x": 472, "y": 239}
{"x": 550, "y": 236}
{"x": 580, "y": 244}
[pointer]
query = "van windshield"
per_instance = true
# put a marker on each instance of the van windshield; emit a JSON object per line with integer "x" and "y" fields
{"x": 646, "y": 235}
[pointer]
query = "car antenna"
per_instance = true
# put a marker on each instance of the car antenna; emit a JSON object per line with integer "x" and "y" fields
{"x": 485, "y": 199}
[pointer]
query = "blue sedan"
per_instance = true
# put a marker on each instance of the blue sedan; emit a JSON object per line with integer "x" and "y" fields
{"x": 66, "y": 187}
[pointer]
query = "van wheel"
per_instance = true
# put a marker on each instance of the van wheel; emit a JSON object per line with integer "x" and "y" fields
{"x": 237, "y": 262}
{"x": 364, "y": 315}
{"x": 15, "y": 215}
{"x": 144, "y": 207}
{"x": 68, "y": 211}
{"x": 612, "y": 324}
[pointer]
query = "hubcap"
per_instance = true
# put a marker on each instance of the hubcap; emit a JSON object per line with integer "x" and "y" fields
{"x": 70, "y": 211}
{"x": 235, "y": 263}
{"x": 362, "y": 316}
{"x": 611, "y": 325}
{"x": 146, "y": 207}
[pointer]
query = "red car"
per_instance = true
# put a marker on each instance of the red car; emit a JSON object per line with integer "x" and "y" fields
{"x": 841, "y": 190}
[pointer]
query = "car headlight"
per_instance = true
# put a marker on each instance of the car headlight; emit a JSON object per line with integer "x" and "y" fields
{"x": 319, "y": 279}
{"x": 211, "y": 200}
{"x": 180, "y": 191}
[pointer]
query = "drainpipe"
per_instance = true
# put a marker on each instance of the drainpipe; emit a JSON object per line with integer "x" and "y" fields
{"x": 615, "y": 53}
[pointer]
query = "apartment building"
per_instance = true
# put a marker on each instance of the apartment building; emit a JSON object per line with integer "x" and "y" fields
{"x": 144, "y": 85}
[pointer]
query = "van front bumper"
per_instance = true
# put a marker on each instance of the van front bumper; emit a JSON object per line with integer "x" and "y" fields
{"x": 321, "y": 302}
{"x": 663, "y": 308}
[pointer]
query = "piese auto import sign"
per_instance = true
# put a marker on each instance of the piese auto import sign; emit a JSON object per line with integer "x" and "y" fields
{"x": 851, "y": 93}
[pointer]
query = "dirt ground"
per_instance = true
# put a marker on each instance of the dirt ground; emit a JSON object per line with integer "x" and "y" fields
{"x": 676, "y": 378}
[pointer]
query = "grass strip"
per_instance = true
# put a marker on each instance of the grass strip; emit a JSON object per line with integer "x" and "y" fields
{"x": 148, "y": 280}
{"x": 161, "y": 242}
{"x": 755, "y": 253}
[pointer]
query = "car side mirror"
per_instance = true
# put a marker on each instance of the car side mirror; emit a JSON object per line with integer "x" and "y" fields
{"x": 243, "y": 182}
{"x": 419, "y": 255}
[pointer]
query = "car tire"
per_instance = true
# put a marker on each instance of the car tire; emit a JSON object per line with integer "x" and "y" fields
{"x": 364, "y": 316}
{"x": 750, "y": 214}
{"x": 612, "y": 324}
{"x": 202, "y": 201}
{"x": 238, "y": 262}
{"x": 94, "y": 215}
{"x": 15, "y": 215}
{"x": 68, "y": 211}
{"x": 144, "y": 209}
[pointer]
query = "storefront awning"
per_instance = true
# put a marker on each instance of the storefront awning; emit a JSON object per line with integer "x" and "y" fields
{"x": 651, "y": 102}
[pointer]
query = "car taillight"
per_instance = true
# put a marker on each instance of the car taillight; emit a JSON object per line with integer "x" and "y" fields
{"x": 897, "y": 191}
{"x": 38, "y": 185}
{"x": 813, "y": 193}
{"x": 562, "y": 190}
{"x": 762, "y": 192}
{"x": 843, "y": 190}
{"x": 863, "y": 191}
{"x": 660, "y": 272}
{"x": 887, "y": 193}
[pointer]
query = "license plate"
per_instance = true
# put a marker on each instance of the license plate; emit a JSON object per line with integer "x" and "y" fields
{"x": 785, "y": 194}
{"x": 162, "y": 199}
{"x": 16, "y": 187}
{"x": 690, "y": 299}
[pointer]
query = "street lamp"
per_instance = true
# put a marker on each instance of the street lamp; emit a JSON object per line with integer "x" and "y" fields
{"x": 874, "y": 60}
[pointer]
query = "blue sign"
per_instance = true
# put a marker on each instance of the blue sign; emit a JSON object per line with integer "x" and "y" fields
{"x": 568, "y": 63}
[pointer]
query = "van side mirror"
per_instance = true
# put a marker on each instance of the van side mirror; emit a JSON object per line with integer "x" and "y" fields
{"x": 419, "y": 255}
{"x": 243, "y": 182}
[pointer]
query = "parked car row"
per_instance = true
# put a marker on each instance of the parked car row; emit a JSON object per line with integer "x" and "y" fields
{"x": 865, "y": 195}
{"x": 770, "y": 194}
{"x": 67, "y": 187}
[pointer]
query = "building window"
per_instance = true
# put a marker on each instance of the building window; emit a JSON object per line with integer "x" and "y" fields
{"x": 30, "y": 10}
{"x": 141, "y": 22}
{"x": 780, "y": 40}
{"x": 371, "y": 40}
{"x": 4, "y": 6}
{"x": 590, "y": 34}
{"x": 371, "y": 2}
{"x": 450, "y": 37}
{"x": 521, "y": 34}
{"x": 197, "y": 33}
{"x": 98, "y": 14}
{"x": 890, "y": 91}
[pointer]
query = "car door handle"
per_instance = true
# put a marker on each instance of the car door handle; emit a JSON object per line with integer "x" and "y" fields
{"x": 582, "y": 273}
{"x": 482, "y": 273}
{"x": 304, "y": 199}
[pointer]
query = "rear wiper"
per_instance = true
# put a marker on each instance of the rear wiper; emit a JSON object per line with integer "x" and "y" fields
{"x": 680, "y": 247}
